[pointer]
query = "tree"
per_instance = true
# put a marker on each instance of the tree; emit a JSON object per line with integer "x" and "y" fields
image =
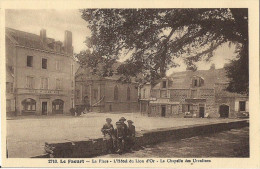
{"x": 238, "y": 69}
{"x": 154, "y": 38}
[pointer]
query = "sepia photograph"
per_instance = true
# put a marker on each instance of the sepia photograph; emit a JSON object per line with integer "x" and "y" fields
{"x": 118, "y": 83}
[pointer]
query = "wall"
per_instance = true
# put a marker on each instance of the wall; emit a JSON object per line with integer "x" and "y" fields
{"x": 231, "y": 101}
{"x": 122, "y": 104}
{"x": 10, "y": 97}
{"x": 104, "y": 100}
{"x": 94, "y": 147}
{"x": 145, "y": 91}
{"x": 65, "y": 74}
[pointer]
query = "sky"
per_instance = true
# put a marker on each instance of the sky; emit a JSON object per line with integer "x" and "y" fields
{"x": 57, "y": 21}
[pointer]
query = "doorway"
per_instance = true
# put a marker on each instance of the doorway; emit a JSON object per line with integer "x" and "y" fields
{"x": 163, "y": 111}
{"x": 44, "y": 108}
{"x": 224, "y": 111}
{"x": 202, "y": 112}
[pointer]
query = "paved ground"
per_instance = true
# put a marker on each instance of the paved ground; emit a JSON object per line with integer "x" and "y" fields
{"x": 26, "y": 135}
{"x": 232, "y": 143}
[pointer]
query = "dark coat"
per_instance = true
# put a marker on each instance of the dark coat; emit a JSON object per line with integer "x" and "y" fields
{"x": 107, "y": 129}
{"x": 131, "y": 131}
{"x": 119, "y": 133}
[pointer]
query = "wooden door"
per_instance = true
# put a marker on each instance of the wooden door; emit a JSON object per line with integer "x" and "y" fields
{"x": 44, "y": 108}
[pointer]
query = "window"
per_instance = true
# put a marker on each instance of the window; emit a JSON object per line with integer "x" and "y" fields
{"x": 58, "y": 65}
{"x": 175, "y": 109}
{"x": 9, "y": 87}
{"x": 95, "y": 91}
{"x": 29, "y": 105}
{"x": 242, "y": 106}
{"x": 195, "y": 82}
{"x": 186, "y": 108}
{"x": 164, "y": 84}
{"x": 128, "y": 93}
{"x": 115, "y": 93}
{"x": 44, "y": 83}
{"x": 58, "y": 105}
{"x": 144, "y": 94}
{"x": 44, "y": 63}
{"x": 163, "y": 94}
{"x": 29, "y": 61}
{"x": 77, "y": 94}
{"x": 8, "y": 105}
{"x": 29, "y": 82}
{"x": 58, "y": 84}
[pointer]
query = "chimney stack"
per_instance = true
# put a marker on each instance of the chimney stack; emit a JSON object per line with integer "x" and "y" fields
{"x": 68, "y": 42}
{"x": 43, "y": 35}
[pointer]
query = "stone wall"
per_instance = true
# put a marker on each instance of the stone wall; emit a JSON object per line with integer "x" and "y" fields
{"x": 95, "y": 147}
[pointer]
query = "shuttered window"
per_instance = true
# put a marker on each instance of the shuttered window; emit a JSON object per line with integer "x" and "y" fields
{"x": 236, "y": 105}
{"x": 44, "y": 63}
{"x": 242, "y": 106}
{"x": 29, "y": 61}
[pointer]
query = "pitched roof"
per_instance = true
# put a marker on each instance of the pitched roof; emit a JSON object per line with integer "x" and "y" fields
{"x": 182, "y": 80}
{"x": 30, "y": 40}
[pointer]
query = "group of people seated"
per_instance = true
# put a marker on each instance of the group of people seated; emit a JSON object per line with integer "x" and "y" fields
{"x": 122, "y": 138}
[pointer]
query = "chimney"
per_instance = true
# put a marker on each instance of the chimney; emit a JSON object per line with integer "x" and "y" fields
{"x": 68, "y": 42}
{"x": 43, "y": 35}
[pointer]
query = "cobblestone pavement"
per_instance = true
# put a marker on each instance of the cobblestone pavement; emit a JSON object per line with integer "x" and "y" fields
{"x": 232, "y": 143}
{"x": 26, "y": 135}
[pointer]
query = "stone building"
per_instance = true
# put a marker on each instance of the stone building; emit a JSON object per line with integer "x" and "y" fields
{"x": 105, "y": 94}
{"x": 145, "y": 98}
{"x": 201, "y": 93}
{"x": 39, "y": 73}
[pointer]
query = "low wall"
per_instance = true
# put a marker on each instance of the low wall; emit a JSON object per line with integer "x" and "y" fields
{"x": 95, "y": 147}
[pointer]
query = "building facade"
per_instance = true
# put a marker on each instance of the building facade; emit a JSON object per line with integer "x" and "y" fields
{"x": 40, "y": 73}
{"x": 105, "y": 94}
{"x": 194, "y": 94}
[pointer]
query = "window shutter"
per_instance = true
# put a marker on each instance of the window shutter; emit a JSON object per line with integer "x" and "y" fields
{"x": 247, "y": 106}
{"x": 236, "y": 105}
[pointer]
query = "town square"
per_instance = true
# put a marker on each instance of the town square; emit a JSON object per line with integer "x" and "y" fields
{"x": 127, "y": 83}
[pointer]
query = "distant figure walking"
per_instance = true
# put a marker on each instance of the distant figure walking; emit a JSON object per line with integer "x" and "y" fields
{"x": 130, "y": 134}
{"x": 108, "y": 132}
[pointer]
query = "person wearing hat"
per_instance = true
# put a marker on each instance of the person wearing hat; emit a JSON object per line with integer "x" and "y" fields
{"x": 120, "y": 136}
{"x": 108, "y": 132}
{"x": 122, "y": 120}
{"x": 131, "y": 134}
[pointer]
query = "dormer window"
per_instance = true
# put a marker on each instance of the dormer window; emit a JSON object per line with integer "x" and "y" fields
{"x": 164, "y": 84}
{"x": 197, "y": 81}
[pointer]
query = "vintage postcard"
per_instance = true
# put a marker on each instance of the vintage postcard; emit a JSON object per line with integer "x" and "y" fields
{"x": 165, "y": 83}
